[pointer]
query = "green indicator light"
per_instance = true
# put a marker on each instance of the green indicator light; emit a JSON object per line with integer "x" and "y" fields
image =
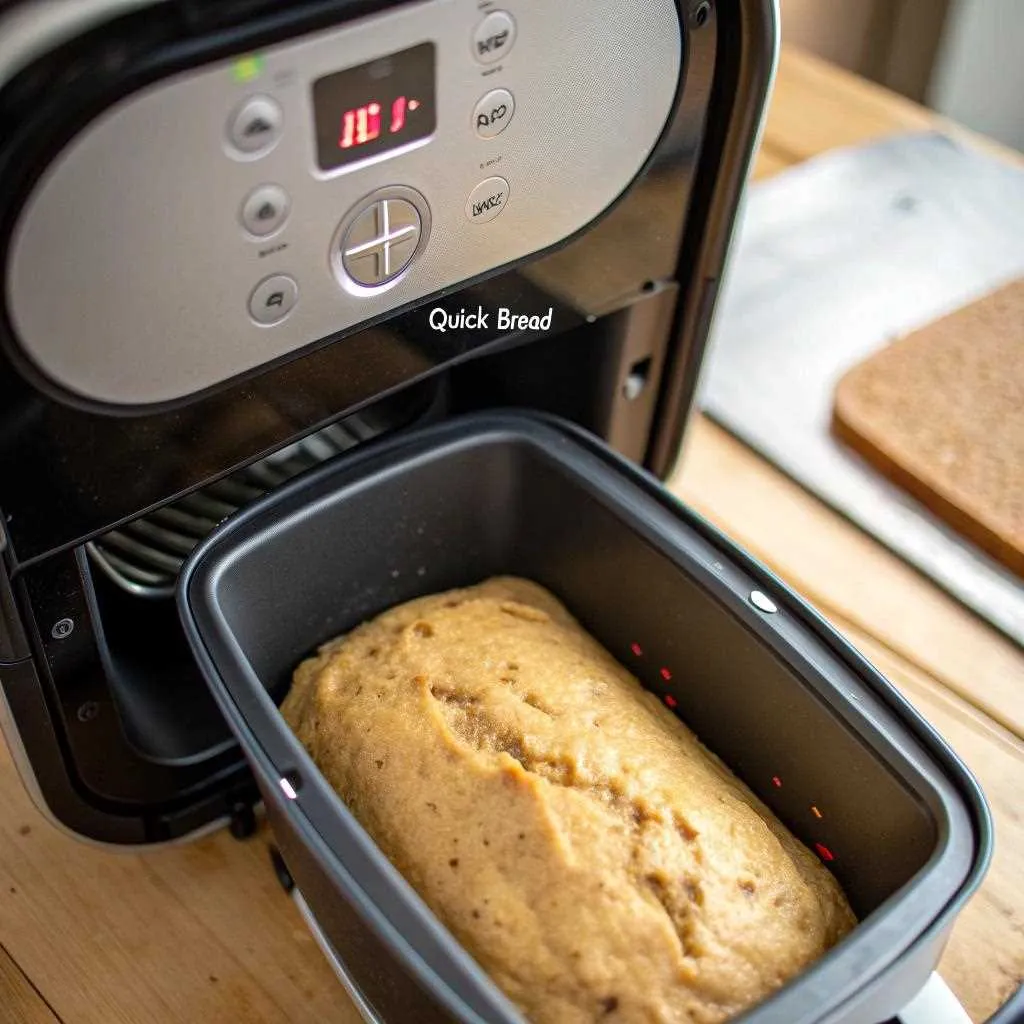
{"x": 245, "y": 69}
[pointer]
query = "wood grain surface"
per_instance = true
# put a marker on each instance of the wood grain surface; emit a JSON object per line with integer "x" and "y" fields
{"x": 203, "y": 932}
{"x": 924, "y": 642}
{"x": 20, "y": 1003}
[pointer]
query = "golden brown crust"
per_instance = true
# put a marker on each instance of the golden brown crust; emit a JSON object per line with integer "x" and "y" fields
{"x": 573, "y": 835}
{"x": 941, "y": 414}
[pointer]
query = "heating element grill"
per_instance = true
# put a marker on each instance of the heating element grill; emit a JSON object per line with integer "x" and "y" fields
{"x": 144, "y": 556}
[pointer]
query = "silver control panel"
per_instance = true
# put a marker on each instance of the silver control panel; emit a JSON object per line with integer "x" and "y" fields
{"x": 234, "y": 214}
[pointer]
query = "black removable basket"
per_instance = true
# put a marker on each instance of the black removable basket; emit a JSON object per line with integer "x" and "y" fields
{"x": 825, "y": 741}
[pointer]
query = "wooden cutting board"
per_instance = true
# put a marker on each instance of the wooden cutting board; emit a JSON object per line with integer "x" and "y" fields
{"x": 941, "y": 413}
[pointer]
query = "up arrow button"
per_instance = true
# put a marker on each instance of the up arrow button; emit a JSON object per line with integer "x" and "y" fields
{"x": 255, "y": 126}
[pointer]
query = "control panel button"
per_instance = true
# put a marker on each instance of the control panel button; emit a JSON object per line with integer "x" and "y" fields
{"x": 265, "y": 210}
{"x": 487, "y": 200}
{"x": 273, "y": 299}
{"x": 381, "y": 241}
{"x": 494, "y": 37}
{"x": 256, "y": 126}
{"x": 493, "y": 114}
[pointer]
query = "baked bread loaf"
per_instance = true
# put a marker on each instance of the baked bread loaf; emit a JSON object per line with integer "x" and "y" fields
{"x": 567, "y": 828}
{"x": 941, "y": 413}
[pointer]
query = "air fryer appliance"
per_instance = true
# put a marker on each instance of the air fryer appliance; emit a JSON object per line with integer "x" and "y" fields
{"x": 249, "y": 241}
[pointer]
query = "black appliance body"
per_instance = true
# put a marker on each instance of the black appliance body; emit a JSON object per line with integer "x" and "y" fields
{"x": 238, "y": 238}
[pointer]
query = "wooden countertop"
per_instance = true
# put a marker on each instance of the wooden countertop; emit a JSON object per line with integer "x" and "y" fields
{"x": 203, "y": 932}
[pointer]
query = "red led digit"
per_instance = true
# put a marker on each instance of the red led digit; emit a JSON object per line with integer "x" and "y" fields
{"x": 348, "y": 130}
{"x": 368, "y": 123}
{"x": 671, "y": 701}
{"x": 637, "y": 650}
{"x": 776, "y": 782}
{"x": 666, "y": 675}
{"x": 824, "y": 852}
{"x": 360, "y": 126}
{"x": 398, "y": 115}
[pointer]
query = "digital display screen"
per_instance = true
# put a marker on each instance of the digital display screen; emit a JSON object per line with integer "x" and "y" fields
{"x": 376, "y": 107}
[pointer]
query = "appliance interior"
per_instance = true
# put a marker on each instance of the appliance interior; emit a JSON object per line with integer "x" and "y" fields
{"x": 459, "y": 503}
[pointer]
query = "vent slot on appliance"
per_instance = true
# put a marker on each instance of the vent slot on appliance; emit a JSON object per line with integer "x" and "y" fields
{"x": 144, "y": 556}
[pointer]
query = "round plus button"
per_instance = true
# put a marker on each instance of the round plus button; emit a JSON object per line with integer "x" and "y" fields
{"x": 379, "y": 239}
